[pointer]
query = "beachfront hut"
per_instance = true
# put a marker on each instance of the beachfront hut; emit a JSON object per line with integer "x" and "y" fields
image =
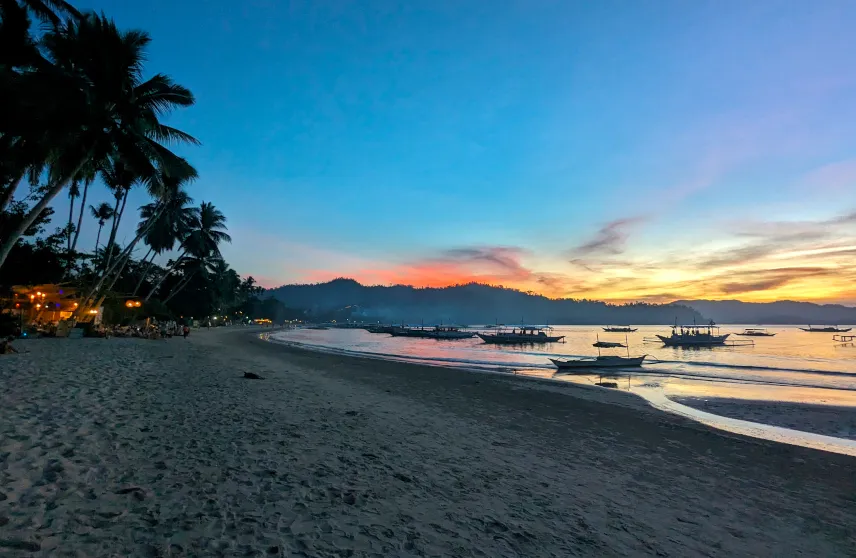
{"x": 41, "y": 307}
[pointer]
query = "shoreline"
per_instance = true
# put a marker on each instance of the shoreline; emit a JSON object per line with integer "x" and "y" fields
{"x": 137, "y": 447}
{"x": 803, "y": 429}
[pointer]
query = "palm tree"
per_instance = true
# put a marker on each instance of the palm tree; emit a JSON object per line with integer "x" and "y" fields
{"x": 73, "y": 192}
{"x": 196, "y": 265}
{"x": 207, "y": 232}
{"x": 88, "y": 178}
{"x": 20, "y": 57}
{"x": 48, "y": 11}
{"x": 162, "y": 227}
{"x": 105, "y": 111}
{"x": 104, "y": 212}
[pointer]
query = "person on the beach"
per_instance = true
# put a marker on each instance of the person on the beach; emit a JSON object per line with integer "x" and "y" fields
{"x": 6, "y": 347}
{"x": 185, "y": 331}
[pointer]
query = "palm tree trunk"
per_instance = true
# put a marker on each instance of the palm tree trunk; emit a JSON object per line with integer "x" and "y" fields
{"x": 180, "y": 286}
{"x": 145, "y": 273}
{"x": 98, "y": 237}
{"x": 110, "y": 286}
{"x": 126, "y": 254}
{"x": 165, "y": 275}
{"x": 34, "y": 213}
{"x": 70, "y": 218}
{"x": 9, "y": 192}
{"x": 117, "y": 217}
{"x": 80, "y": 215}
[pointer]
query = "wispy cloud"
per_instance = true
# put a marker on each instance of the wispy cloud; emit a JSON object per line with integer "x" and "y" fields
{"x": 610, "y": 239}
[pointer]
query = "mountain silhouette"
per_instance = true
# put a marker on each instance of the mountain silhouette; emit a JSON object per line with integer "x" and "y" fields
{"x": 780, "y": 312}
{"x": 471, "y": 304}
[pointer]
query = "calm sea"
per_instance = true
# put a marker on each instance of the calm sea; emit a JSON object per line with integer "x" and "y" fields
{"x": 794, "y": 366}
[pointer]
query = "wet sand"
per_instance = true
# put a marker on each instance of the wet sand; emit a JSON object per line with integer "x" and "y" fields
{"x": 128, "y": 447}
{"x": 828, "y": 420}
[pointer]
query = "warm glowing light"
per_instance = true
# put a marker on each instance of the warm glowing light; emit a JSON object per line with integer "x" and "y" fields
{"x": 93, "y": 311}
{"x": 38, "y": 305}
{"x": 137, "y": 304}
{"x": 75, "y": 305}
{"x": 32, "y": 297}
{"x": 39, "y": 293}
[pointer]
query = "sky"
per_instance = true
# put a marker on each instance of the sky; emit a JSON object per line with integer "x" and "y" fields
{"x": 622, "y": 151}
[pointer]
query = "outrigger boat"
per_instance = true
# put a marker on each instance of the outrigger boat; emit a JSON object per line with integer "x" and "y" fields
{"x": 827, "y": 329}
{"x": 520, "y": 336}
{"x": 756, "y": 332}
{"x": 437, "y": 332}
{"x": 607, "y": 344}
{"x": 448, "y": 332}
{"x": 619, "y": 329}
{"x": 382, "y": 328}
{"x": 694, "y": 336}
{"x": 599, "y": 362}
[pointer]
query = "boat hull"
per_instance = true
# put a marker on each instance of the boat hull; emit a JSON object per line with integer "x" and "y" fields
{"x": 826, "y": 330}
{"x": 450, "y": 335}
{"x": 686, "y": 341}
{"x": 519, "y": 339}
{"x": 619, "y": 329}
{"x": 599, "y": 363}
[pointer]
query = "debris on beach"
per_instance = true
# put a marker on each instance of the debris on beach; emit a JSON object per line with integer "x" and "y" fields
{"x": 252, "y": 376}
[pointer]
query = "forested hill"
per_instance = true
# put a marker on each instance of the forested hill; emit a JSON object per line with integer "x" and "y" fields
{"x": 467, "y": 304}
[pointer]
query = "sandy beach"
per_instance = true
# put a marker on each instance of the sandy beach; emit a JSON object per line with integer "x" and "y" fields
{"x": 127, "y": 447}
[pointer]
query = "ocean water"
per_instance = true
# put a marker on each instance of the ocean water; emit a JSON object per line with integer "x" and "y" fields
{"x": 792, "y": 367}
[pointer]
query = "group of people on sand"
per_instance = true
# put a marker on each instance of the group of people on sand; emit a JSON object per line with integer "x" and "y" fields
{"x": 164, "y": 330}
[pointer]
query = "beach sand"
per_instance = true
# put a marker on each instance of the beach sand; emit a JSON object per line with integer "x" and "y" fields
{"x": 829, "y": 420}
{"x": 126, "y": 447}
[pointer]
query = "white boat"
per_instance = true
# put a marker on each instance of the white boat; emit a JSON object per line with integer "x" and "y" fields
{"x": 599, "y": 362}
{"x": 520, "y": 336}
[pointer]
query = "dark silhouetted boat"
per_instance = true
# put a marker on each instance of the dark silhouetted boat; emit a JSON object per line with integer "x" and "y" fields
{"x": 756, "y": 332}
{"x": 694, "y": 336}
{"x": 598, "y": 362}
{"x": 826, "y": 329}
{"x": 520, "y": 336}
{"x": 619, "y": 329}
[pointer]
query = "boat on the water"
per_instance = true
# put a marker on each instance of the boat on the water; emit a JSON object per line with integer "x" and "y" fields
{"x": 756, "y": 332}
{"x": 594, "y": 363}
{"x": 619, "y": 329}
{"x": 826, "y": 329}
{"x": 382, "y": 329}
{"x": 694, "y": 336}
{"x": 607, "y": 344}
{"x": 520, "y": 336}
{"x": 448, "y": 332}
{"x": 410, "y": 332}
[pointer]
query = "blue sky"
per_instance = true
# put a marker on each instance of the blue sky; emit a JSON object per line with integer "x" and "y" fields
{"x": 383, "y": 140}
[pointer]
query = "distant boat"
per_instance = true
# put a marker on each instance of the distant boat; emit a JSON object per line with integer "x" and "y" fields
{"x": 448, "y": 332}
{"x": 694, "y": 336}
{"x": 619, "y": 329}
{"x": 381, "y": 329}
{"x": 410, "y": 332}
{"x": 827, "y": 329}
{"x": 598, "y": 362}
{"x": 756, "y": 332}
{"x": 520, "y": 336}
{"x": 607, "y": 345}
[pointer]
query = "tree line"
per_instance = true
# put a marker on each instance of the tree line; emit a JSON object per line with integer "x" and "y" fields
{"x": 82, "y": 117}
